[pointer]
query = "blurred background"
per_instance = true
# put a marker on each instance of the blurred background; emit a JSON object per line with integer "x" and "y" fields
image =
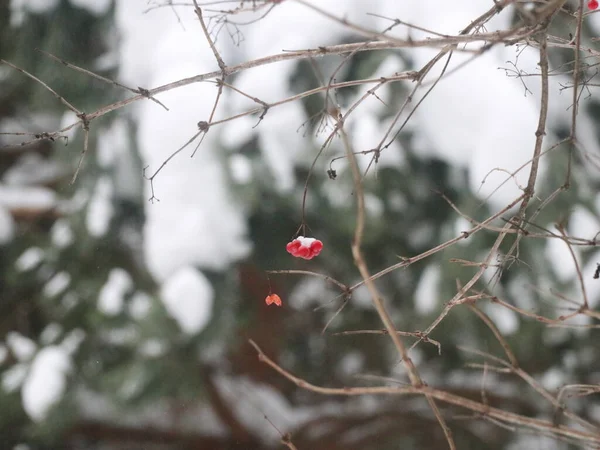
{"x": 126, "y": 307}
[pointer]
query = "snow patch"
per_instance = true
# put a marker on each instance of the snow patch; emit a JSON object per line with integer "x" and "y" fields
{"x": 32, "y": 169}
{"x": 19, "y": 9}
{"x": 188, "y": 297}
{"x": 505, "y": 319}
{"x": 73, "y": 340}
{"x": 13, "y": 377}
{"x": 309, "y": 290}
{"x": 96, "y": 7}
{"x": 57, "y": 284}
{"x": 29, "y": 259}
{"x": 50, "y": 333}
{"x": 153, "y": 348}
{"x": 20, "y": 346}
{"x": 62, "y": 234}
{"x": 21, "y": 197}
{"x": 583, "y": 224}
{"x": 111, "y": 297}
{"x": 100, "y": 210}
{"x": 140, "y": 305}
{"x": 46, "y": 382}
{"x": 240, "y": 169}
{"x": 111, "y": 142}
{"x": 426, "y": 294}
{"x": 562, "y": 261}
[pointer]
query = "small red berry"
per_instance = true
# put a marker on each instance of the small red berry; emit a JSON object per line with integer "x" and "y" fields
{"x": 293, "y": 246}
{"x": 303, "y": 252}
{"x": 593, "y": 4}
{"x": 316, "y": 247}
{"x": 273, "y": 298}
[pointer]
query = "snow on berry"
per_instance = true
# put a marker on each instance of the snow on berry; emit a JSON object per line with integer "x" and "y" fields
{"x": 593, "y": 4}
{"x": 273, "y": 298}
{"x": 304, "y": 247}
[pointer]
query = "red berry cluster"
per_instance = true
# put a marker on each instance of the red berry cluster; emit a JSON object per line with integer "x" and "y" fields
{"x": 304, "y": 247}
{"x": 593, "y": 4}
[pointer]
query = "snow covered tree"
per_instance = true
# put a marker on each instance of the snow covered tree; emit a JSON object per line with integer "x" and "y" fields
{"x": 157, "y": 159}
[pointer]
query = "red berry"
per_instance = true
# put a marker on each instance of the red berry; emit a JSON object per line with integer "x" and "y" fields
{"x": 303, "y": 252}
{"x": 273, "y": 298}
{"x": 316, "y": 247}
{"x": 293, "y": 246}
{"x": 593, "y": 4}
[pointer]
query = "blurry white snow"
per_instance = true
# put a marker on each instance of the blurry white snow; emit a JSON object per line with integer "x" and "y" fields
{"x": 583, "y": 224}
{"x": 562, "y": 261}
{"x": 132, "y": 385}
{"x": 461, "y": 224}
{"x": 13, "y": 377}
{"x": 22, "y": 447}
{"x": 196, "y": 221}
{"x": 238, "y": 132}
{"x": 139, "y": 305}
{"x": 18, "y": 9}
{"x": 20, "y": 346}
{"x": 477, "y": 117}
{"x": 32, "y": 169}
{"x": 97, "y": 7}
{"x": 73, "y": 340}
{"x": 351, "y": 363}
{"x": 112, "y": 141}
{"x": 426, "y": 294}
{"x": 505, "y": 319}
{"x": 7, "y": 226}
{"x": 279, "y": 149}
{"x": 29, "y": 259}
{"x": 153, "y": 348}
{"x": 21, "y": 197}
{"x": 125, "y": 335}
{"x": 69, "y": 300}
{"x": 36, "y": 6}
{"x": 521, "y": 292}
{"x": 361, "y": 297}
{"x": 556, "y": 336}
{"x": 100, "y": 210}
{"x": 537, "y": 442}
{"x": 188, "y": 297}
{"x": 397, "y": 201}
{"x": 422, "y": 235}
{"x": 309, "y": 290}
{"x": 367, "y": 130}
{"x": 50, "y": 333}
{"x": 253, "y": 402}
{"x": 46, "y": 382}
{"x": 57, "y": 284}
{"x": 240, "y": 169}
{"x": 67, "y": 119}
{"x": 374, "y": 206}
{"x": 62, "y": 234}
{"x": 111, "y": 297}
